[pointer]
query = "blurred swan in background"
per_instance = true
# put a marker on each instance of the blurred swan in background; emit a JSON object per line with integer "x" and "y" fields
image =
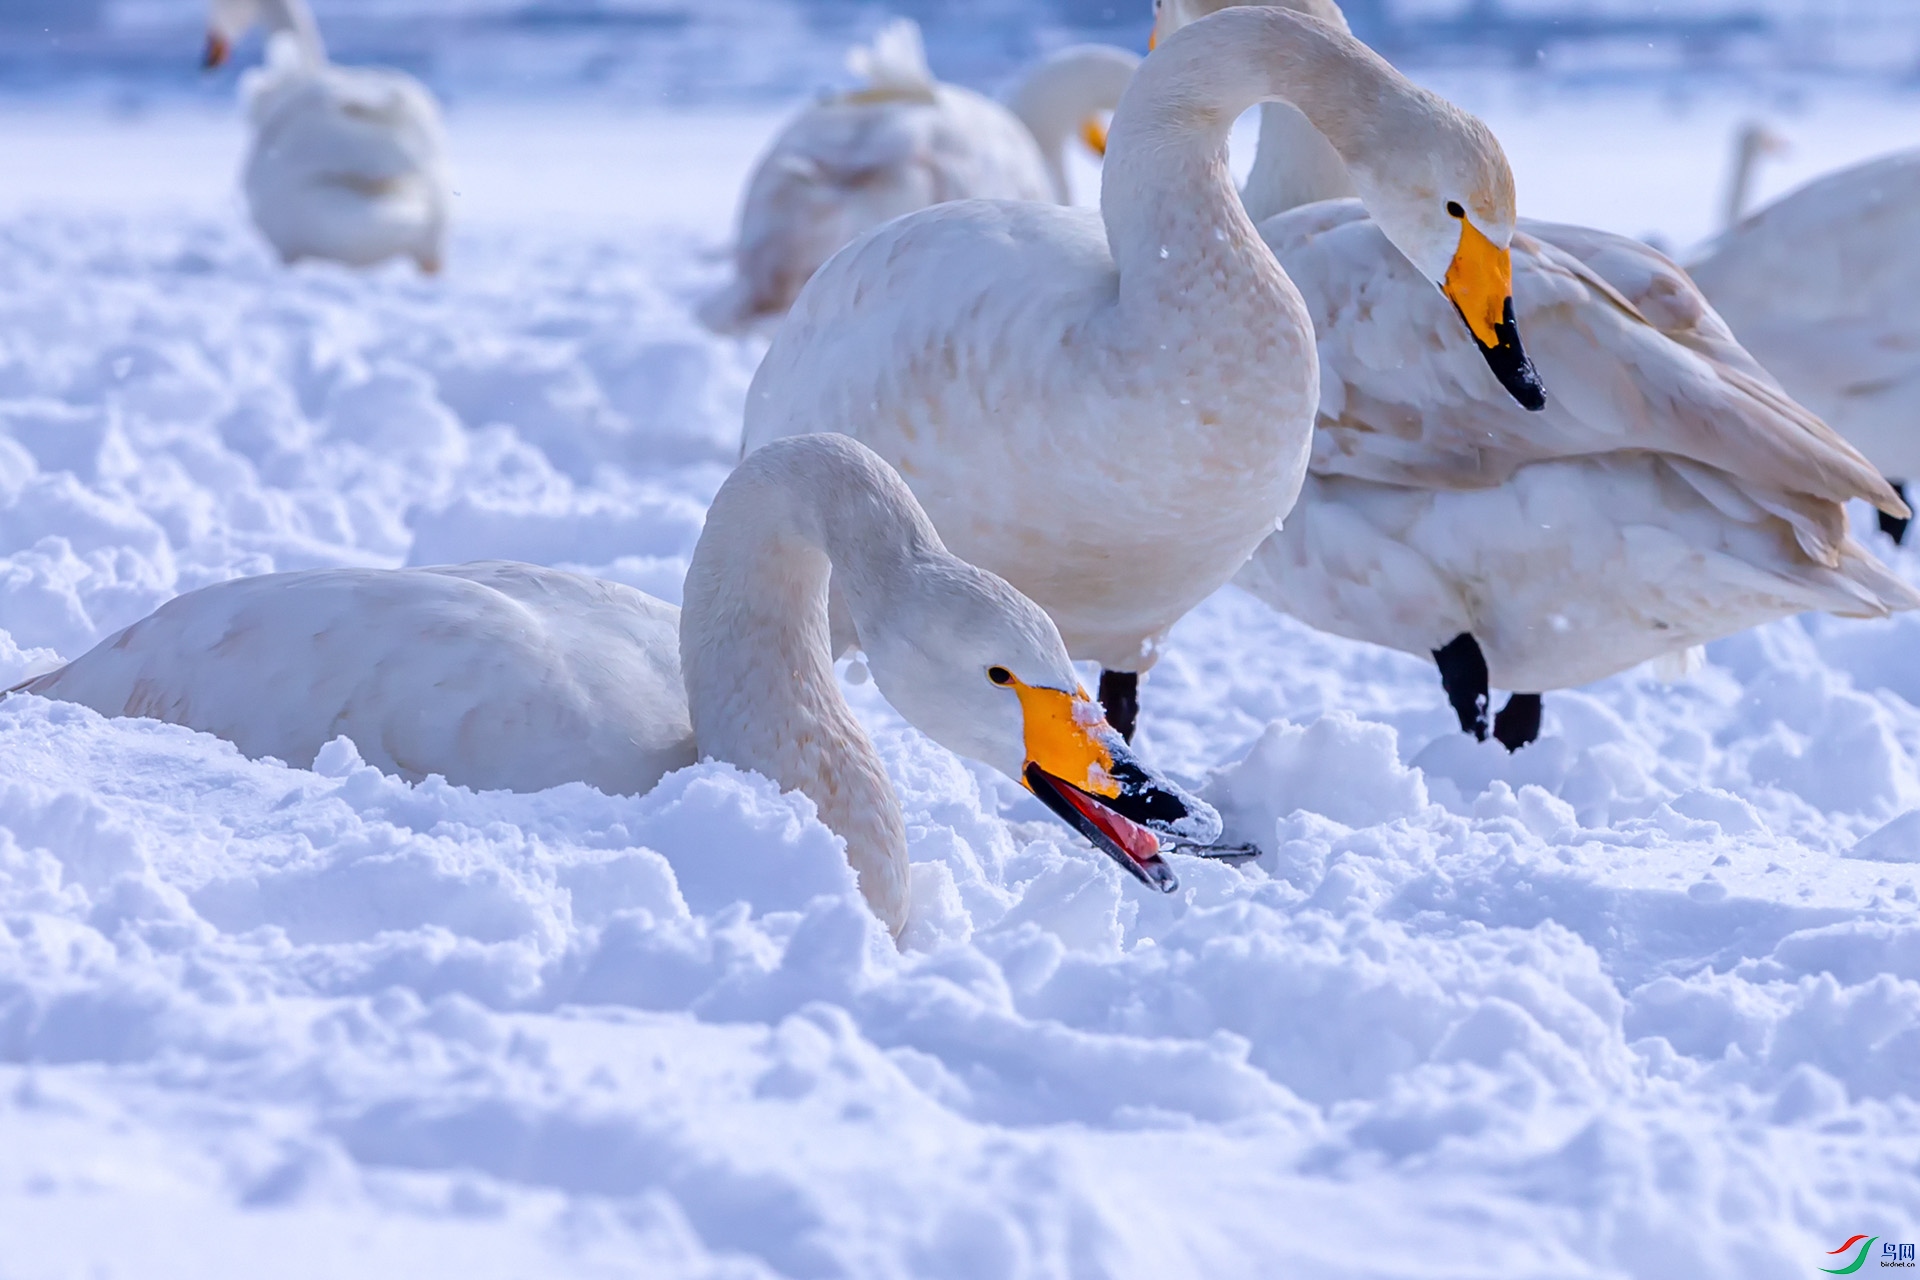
{"x": 347, "y": 164}
{"x": 1823, "y": 287}
{"x": 513, "y": 676}
{"x": 902, "y": 142}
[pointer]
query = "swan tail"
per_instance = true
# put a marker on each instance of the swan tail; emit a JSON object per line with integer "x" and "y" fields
{"x": 896, "y": 61}
{"x": 1876, "y": 589}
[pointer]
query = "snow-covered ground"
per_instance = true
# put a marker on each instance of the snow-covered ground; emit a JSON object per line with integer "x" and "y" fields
{"x": 1643, "y": 1000}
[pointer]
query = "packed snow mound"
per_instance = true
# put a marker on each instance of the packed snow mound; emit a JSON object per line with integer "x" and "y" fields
{"x": 1642, "y": 1000}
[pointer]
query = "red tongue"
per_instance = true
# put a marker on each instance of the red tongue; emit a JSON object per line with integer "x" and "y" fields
{"x": 1138, "y": 842}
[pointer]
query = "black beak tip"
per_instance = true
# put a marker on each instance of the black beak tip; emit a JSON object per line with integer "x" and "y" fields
{"x": 1510, "y": 365}
{"x": 1154, "y": 872}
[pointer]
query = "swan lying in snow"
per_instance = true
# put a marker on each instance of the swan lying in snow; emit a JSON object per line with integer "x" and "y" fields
{"x": 501, "y": 675}
{"x": 1669, "y": 493}
{"x": 903, "y": 142}
{"x": 1823, "y": 287}
{"x": 1112, "y": 409}
{"x": 346, "y": 163}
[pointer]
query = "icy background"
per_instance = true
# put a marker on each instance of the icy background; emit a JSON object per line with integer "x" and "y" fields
{"x": 1643, "y": 1000}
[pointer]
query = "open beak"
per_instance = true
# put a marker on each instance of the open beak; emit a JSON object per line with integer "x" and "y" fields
{"x": 1082, "y": 769}
{"x": 1093, "y": 132}
{"x": 216, "y": 51}
{"x": 1480, "y": 285}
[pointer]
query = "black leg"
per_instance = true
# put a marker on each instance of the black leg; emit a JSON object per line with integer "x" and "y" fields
{"x": 1463, "y": 672}
{"x": 1518, "y": 722}
{"x": 1895, "y": 527}
{"x": 1120, "y": 695}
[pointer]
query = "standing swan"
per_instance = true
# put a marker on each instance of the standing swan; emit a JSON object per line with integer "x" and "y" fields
{"x": 905, "y": 141}
{"x": 347, "y": 164}
{"x": 1668, "y": 495}
{"x": 500, "y": 675}
{"x": 1111, "y": 410}
{"x": 1823, "y": 286}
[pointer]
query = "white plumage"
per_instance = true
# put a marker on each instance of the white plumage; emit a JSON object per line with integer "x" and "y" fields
{"x": 1669, "y": 493}
{"x": 1112, "y": 410}
{"x": 902, "y": 142}
{"x": 346, "y": 164}
{"x": 511, "y": 676}
{"x": 1823, "y": 287}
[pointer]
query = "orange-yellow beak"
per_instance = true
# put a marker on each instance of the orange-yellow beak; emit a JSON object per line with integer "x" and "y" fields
{"x": 1082, "y": 769}
{"x": 217, "y": 51}
{"x": 1093, "y": 132}
{"x": 1479, "y": 283}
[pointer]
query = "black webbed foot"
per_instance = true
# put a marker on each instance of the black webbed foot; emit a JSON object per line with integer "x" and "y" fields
{"x": 1120, "y": 696}
{"x": 1518, "y": 722}
{"x": 1463, "y": 673}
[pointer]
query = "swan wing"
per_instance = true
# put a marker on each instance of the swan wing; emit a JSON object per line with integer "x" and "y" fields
{"x": 1406, "y": 399}
{"x": 846, "y": 166}
{"x": 493, "y": 675}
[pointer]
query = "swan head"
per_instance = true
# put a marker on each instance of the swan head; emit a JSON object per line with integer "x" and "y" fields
{"x": 982, "y": 671}
{"x": 1436, "y": 183}
{"x": 1438, "y": 186}
{"x": 228, "y": 22}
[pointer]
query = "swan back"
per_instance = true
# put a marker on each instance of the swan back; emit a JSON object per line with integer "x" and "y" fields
{"x": 1821, "y": 285}
{"x": 493, "y": 675}
{"x": 853, "y": 161}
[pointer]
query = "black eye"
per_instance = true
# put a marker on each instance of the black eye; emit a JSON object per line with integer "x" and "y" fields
{"x": 999, "y": 675}
{"x": 1453, "y": 207}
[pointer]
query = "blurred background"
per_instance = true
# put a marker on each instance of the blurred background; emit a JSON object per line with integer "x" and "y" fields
{"x": 713, "y": 51}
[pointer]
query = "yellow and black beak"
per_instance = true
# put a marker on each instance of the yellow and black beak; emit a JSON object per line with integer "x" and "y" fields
{"x": 217, "y": 51}
{"x": 1479, "y": 283}
{"x": 1082, "y": 769}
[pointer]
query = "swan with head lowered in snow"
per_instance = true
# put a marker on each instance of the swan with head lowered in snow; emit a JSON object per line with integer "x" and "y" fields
{"x": 499, "y": 675}
{"x": 346, "y": 164}
{"x": 1669, "y": 493}
{"x": 1823, "y": 287}
{"x": 902, "y": 142}
{"x": 1111, "y": 409}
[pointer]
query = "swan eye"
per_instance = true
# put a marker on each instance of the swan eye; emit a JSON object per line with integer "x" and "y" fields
{"x": 999, "y": 675}
{"x": 1453, "y": 207}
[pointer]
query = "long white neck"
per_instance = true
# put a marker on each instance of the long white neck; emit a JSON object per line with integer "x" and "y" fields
{"x": 1747, "y": 147}
{"x": 755, "y": 648}
{"x": 294, "y": 18}
{"x": 1293, "y": 165}
{"x": 1167, "y": 194}
{"x": 1064, "y": 91}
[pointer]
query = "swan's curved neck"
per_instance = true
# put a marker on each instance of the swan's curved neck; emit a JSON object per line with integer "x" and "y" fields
{"x": 294, "y": 18}
{"x": 1746, "y": 158}
{"x": 1166, "y": 185}
{"x": 1063, "y": 92}
{"x": 1293, "y": 165}
{"x": 755, "y": 649}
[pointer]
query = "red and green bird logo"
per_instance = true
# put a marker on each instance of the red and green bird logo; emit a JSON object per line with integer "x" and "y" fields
{"x": 1859, "y": 1259}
